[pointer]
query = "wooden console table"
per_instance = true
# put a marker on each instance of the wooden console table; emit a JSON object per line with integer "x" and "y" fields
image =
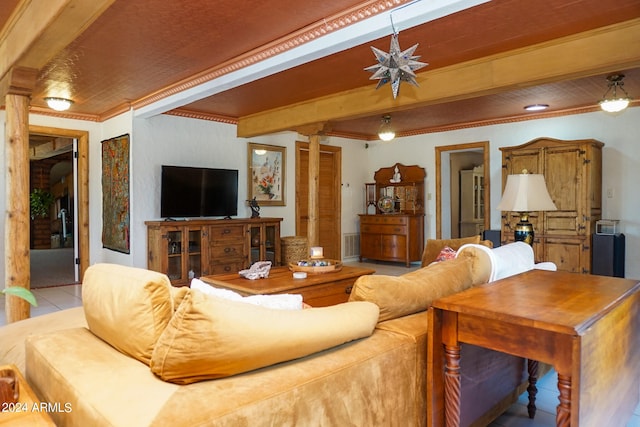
{"x": 587, "y": 327}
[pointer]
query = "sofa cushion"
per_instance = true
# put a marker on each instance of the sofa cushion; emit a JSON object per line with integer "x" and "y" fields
{"x": 369, "y": 382}
{"x": 209, "y": 337}
{"x": 13, "y": 335}
{"x": 415, "y": 291}
{"x": 127, "y": 307}
{"x": 434, "y": 246}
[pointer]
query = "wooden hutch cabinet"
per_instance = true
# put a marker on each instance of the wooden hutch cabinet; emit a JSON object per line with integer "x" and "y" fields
{"x": 396, "y": 231}
{"x": 192, "y": 248}
{"x": 573, "y": 174}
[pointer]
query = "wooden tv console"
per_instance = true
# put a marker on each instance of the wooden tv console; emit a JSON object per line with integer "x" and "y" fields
{"x": 191, "y": 248}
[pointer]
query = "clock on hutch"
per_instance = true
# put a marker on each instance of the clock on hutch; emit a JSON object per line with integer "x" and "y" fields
{"x": 392, "y": 229}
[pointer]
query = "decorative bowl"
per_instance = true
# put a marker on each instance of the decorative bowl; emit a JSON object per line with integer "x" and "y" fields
{"x": 316, "y": 265}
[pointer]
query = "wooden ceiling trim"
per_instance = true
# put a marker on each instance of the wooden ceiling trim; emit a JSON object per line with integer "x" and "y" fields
{"x": 580, "y": 55}
{"x": 314, "y": 31}
{"x": 191, "y": 114}
{"x": 63, "y": 114}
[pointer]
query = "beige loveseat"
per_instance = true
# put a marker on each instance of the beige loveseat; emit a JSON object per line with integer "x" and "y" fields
{"x": 141, "y": 353}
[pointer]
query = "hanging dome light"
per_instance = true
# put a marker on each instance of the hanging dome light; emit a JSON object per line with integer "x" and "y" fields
{"x": 614, "y": 103}
{"x": 58, "y": 104}
{"x": 386, "y": 132}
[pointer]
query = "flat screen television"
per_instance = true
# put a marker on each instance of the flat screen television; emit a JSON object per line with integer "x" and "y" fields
{"x": 188, "y": 192}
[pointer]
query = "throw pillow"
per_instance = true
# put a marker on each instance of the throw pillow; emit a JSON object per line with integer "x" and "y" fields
{"x": 127, "y": 307}
{"x": 280, "y": 301}
{"x": 209, "y": 337}
{"x": 412, "y": 292}
{"x": 445, "y": 254}
{"x": 434, "y": 246}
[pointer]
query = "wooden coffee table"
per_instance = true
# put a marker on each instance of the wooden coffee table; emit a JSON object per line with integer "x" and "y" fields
{"x": 317, "y": 290}
{"x": 586, "y": 326}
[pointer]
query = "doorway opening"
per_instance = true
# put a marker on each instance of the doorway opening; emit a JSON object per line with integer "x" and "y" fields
{"x": 451, "y": 221}
{"x": 59, "y": 252}
{"x": 52, "y": 231}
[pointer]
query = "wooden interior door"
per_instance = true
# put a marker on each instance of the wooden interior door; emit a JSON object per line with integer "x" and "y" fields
{"x": 330, "y": 202}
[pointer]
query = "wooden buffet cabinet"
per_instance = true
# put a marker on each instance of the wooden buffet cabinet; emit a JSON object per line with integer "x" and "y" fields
{"x": 199, "y": 247}
{"x": 396, "y": 231}
{"x": 573, "y": 174}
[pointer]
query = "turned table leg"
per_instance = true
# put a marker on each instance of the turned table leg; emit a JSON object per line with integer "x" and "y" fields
{"x": 532, "y": 367}
{"x": 452, "y": 385}
{"x": 563, "y": 415}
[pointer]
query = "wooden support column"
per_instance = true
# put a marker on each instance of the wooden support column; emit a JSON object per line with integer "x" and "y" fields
{"x": 313, "y": 226}
{"x": 314, "y": 132}
{"x": 16, "y": 226}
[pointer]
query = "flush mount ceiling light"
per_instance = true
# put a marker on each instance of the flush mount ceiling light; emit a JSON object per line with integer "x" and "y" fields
{"x": 536, "y": 107}
{"x": 611, "y": 102}
{"x": 58, "y": 104}
{"x": 386, "y": 132}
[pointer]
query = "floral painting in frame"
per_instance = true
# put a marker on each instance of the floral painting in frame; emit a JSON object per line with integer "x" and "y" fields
{"x": 266, "y": 167}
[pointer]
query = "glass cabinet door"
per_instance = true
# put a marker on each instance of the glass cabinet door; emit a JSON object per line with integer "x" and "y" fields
{"x": 254, "y": 244}
{"x": 270, "y": 243}
{"x": 194, "y": 260}
{"x": 174, "y": 255}
{"x": 264, "y": 243}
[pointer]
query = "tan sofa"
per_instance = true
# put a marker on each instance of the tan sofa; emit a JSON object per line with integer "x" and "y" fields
{"x": 335, "y": 366}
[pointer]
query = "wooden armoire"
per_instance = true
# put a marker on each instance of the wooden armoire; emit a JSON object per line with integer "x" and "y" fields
{"x": 573, "y": 174}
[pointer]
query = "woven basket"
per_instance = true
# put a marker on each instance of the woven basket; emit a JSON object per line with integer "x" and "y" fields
{"x": 294, "y": 248}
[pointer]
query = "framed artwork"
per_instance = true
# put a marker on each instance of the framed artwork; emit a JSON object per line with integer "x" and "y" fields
{"x": 266, "y": 166}
{"x": 115, "y": 194}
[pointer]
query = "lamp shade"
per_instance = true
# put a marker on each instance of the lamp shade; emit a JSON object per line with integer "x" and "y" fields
{"x": 526, "y": 193}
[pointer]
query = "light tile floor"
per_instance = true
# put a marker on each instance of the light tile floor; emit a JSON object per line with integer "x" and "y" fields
{"x": 62, "y": 297}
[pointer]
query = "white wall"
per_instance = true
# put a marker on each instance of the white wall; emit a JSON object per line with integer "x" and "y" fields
{"x": 190, "y": 142}
{"x": 621, "y": 162}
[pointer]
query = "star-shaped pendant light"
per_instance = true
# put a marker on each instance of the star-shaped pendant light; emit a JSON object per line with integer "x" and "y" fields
{"x": 396, "y": 66}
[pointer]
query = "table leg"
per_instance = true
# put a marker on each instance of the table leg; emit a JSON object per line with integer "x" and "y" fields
{"x": 452, "y": 385}
{"x": 532, "y": 367}
{"x": 563, "y": 414}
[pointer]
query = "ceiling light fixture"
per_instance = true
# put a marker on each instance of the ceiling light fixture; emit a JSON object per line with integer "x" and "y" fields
{"x": 536, "y": 107}
{"x": 58, "y": 104}
{"x": 386, "y": 132}
{"x": 397, "y": 66}
{"x": 614, "y": 103}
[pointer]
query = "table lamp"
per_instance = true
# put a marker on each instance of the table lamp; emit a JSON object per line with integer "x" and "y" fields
{"x": 525, "y": 193}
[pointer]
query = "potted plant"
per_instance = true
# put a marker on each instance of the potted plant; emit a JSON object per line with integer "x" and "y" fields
{"x": 40, "y": 200}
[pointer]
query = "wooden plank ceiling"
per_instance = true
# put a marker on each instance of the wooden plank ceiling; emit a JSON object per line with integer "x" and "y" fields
{"x": 141, "y": 51}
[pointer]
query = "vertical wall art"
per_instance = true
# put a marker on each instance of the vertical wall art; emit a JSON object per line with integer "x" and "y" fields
{"x": 115, "y": 194}
{"x": 266, "y": 166}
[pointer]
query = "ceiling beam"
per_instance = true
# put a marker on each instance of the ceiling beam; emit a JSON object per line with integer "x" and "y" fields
{"x": 364, "y": 23}
{"x": 39, "y": 29}
{"x": 602, "y": 50}
{"x": 55, "y": 146}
